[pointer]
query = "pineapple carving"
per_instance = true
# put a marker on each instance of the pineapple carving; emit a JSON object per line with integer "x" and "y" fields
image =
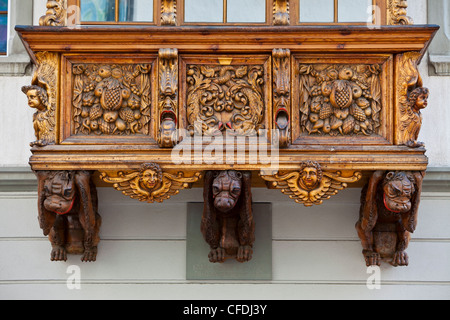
{"x": 111, "y": 99}
{"x": 340, "y": 99}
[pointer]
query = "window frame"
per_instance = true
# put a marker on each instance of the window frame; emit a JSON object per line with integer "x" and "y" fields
{"x": 294, "y": 16}
{"x": 5, "y": 53}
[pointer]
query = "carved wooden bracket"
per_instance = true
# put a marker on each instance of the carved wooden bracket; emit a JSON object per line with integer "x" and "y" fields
{"x": 150, "y": 183}
{"x": 310, "y": 185}
{"x": 168, "y": 97}
{"x": 67, "y": 205}
{"x": 389, "y": 207}
{"x": 227, "y": 222}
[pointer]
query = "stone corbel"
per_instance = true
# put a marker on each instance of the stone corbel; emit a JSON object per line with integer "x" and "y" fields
{"x": 310, "y": 185}
{"x": 168, "y": 97}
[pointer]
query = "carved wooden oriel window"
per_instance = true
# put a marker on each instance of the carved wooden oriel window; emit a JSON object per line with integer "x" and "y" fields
{"x": 341, "y": 102}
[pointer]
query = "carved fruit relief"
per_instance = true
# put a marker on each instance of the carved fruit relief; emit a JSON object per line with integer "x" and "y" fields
{"x": 340, "y": 99}
{"x": 111, "y": 99}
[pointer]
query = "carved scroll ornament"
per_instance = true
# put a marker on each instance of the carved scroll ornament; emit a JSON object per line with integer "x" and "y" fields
{"x": 389, "y": 207}
{"x": 67, "y": 205}
{"x": 150, "y": 183}
{"x": 340, "y": 99}
{"x": 56, "y": 13}
{"x": 227, "y": 222}
{"x": 225, "y": 98}
{"x": 111, "y": 99}
{"x": 310, "y": 185}
{"x": 397, "y": 13}
{"x": 411, "y": 99}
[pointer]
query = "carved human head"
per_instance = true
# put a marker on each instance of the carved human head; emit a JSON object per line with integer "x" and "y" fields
{"x": 151, "y": 175}
{"x": 37, "y": 97}
{"x": 398, "y": 190}
{"x": 419, "y": 98}
{"x": 310, "y": 175}
{"x": 226, "y": 189}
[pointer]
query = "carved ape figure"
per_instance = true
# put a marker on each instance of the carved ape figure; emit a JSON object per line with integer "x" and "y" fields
{"x": 43, "y": 121}
{"x": 389, "y": 206}
{"x": 227, "y": 223}
{"x": 67, "y": 204}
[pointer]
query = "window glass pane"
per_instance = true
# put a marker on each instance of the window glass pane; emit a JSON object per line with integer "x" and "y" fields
{"x": 354, "y": 10}
{"x": 316, "y": 10}
{"x": 136, "y": 10}
{"x": 3, "y": 5}
{"x": 3, "y": 32}
{"x": 246, "y": 11}
{"x": 98, "y": 10}
{"x": 203, "y": 10}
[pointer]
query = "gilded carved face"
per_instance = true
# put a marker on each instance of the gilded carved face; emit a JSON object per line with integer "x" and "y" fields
{"x": 309, "y": 178}
{"x": 33, "y": 99}
{"x": 422, "y": 101}
{"x": 149, "y": 178}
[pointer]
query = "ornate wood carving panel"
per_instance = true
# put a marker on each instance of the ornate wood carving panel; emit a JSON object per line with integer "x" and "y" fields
{"x": 226, "y": 94}
{"x": 342, "y": 99}
{"x": 108, "y": 99}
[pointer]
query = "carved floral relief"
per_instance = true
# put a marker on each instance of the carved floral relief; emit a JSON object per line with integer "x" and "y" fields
{"x": 340, "y": 100}
{"x": 225, "y": 98}
{"x": 111, "y": 99}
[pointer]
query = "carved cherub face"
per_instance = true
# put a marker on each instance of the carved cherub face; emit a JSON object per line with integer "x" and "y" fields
{"x": 149, "y": 178}
{"x": 398, "y": 191}
{"x": 310, "y": 176}
{"x": 34, "y": 101}
{"x": 422, "y": 100}
{"x": 226, "y": 189}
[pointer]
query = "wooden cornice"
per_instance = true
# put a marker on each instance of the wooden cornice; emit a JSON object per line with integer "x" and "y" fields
{"x": 224, "y": 39}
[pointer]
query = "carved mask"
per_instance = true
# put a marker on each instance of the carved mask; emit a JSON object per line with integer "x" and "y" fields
{"x": 59, "y": 191}
{"x": 149, "y": 178}
{"x": 226, "y": 189}
{"x": 398, "y": 190}
{"x": 309, "y": 178}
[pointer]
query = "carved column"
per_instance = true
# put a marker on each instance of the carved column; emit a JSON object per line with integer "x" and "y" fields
{"x": 168, "y": 97}
{"x": 282, "y": 95}
{"x": 168, "y": 12}
{"x": 281, "y": 12}
{"x": 227, "y": 222}
{"x": 388, "y": 214}
{"x": 67, "y": 206}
